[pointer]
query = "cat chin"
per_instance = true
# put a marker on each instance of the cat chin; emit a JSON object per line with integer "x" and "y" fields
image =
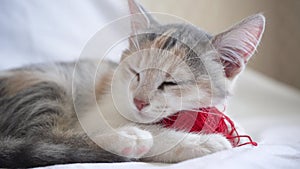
{"x": 143, "y": 118}
{"x": 134, "y": 115}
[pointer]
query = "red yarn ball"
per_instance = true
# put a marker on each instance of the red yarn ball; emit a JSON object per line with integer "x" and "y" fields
{"x": 206, "y": 121}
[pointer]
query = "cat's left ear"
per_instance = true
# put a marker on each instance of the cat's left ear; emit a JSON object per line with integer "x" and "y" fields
{"x": 237, "y": 45}
{"x": 140, "y": 18}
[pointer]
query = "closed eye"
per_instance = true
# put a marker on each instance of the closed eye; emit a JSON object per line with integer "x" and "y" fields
{"x": 136, "y": 74}
{"x": 165, "y": 84}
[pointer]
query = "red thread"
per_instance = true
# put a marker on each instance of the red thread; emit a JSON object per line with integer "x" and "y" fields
{"x": 207, "y": 121}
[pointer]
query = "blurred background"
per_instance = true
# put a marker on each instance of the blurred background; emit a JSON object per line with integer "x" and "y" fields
{"x": 278, "y": 55}
{"x": 36, "y": 31}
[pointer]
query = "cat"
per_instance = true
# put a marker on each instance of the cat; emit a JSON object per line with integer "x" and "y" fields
{"x": 48, "y": 112}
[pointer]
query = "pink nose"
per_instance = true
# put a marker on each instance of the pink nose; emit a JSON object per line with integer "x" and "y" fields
{"x": 140, "y": 104}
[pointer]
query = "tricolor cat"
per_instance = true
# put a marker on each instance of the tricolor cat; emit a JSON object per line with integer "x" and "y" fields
{"x": 165, "y": 69}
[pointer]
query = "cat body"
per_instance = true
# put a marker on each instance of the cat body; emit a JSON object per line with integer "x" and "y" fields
{"x": 62, "y": 113}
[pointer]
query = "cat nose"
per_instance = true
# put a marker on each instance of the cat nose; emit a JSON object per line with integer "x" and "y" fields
{"x": 140, "y": 104}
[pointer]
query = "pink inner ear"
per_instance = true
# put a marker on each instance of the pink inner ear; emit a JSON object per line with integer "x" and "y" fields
{"x": 257, "y": 34}
{"x": 139, "y": 19}
{"x": 231, "y": 67}
{"x": 237, "y": 45}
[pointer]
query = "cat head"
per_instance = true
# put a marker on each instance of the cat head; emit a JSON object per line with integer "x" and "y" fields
{"x": 173, "y": 67}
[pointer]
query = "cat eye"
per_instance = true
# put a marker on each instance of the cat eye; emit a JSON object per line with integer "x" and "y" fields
{"x": 164, "y": 84}
{"x": 136, "y": 74}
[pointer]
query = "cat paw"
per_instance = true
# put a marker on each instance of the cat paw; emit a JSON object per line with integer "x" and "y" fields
{"x": 200, "y": 145}
{"x": 136, "y": 142}
{"x": 130, "y": 142}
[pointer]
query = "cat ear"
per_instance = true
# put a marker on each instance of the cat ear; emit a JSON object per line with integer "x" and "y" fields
{"x": 140, "y": 18}
{"x": 237, "y": 45}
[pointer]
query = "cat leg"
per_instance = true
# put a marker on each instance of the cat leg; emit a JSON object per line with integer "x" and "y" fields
{"x": 175, "y": 146}
{"x": 128, "y": 141}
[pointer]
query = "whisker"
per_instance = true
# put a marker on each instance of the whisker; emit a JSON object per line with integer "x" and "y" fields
{"x": 136, "y": 41}
{"x": 168, "y": 118}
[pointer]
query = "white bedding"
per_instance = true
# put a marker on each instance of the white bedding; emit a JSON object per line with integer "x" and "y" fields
{"x": 34, "y": 31}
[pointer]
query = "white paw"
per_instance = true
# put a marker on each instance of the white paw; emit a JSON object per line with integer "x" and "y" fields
{"x": 200, "y": 145}
{"x": 131, "y": 142}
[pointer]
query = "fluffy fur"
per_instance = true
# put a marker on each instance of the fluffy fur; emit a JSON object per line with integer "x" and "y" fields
{"x": 51, "y": 114}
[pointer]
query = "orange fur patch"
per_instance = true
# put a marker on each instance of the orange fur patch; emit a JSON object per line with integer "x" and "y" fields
{"x": 161, "y": 40}
{"x": 103, "y": 84}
